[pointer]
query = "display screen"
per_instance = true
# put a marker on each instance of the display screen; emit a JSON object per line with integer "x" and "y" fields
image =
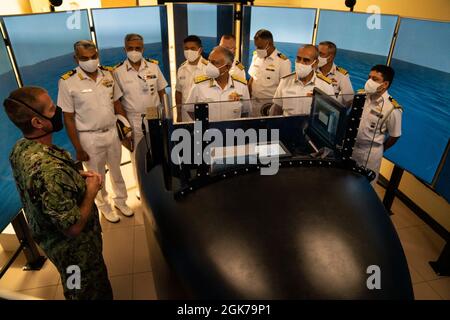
{"x": 9, "y": 203}
{"x": 43, "y": 48}
{"x": 111, "y": 29}
{"x": 325, "y": 117}
{"x": 290, "y": 28}
{"x": 207, "y": 21}
{"x": 422, "y": 86}
{"x": 362, "y": 40}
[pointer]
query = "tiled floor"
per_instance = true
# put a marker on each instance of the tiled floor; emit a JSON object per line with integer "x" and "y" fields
{"x": 127, "y": 258}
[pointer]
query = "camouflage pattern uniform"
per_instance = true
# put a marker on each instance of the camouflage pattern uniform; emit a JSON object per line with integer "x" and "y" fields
{"x": 52, "y": 190}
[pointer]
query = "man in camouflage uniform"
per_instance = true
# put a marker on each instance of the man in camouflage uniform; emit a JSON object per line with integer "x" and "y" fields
{"x": 58, "y": 199}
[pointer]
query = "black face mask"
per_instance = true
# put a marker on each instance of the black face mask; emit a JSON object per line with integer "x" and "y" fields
{"x": 56, "y": 120}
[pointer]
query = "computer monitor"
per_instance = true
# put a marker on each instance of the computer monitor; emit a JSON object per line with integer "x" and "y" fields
{"x": 328, "y": 120}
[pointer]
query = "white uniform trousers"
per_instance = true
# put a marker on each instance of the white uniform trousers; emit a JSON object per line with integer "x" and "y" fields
{"x": 361, "y": 152}
{"x": 135, "y": 120}
{"x": 105, "y": 148}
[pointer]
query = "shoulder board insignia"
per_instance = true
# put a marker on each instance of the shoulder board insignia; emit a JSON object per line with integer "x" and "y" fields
{"x": 200, "y": 79}
{"x": 183, "y": 63}
{"x": 238, "y": 79}
{"x": 322, "y": 77}
{"x": 204, "y": 61}
{"x": 118, "y": 65}
{"x": 240, "y": 65}
{"x": 106, "y": 68}
{"x": 286, "y": 76}
{"x": 361, "y": 91}
{"x": 282, "y": 56}
{"x": 68, "y": 74}
{"x": 152, "y": 60}
{"x": 342, "y": 70}
{"x": 395, "y": 103}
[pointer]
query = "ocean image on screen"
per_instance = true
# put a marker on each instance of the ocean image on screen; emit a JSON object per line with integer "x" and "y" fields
{"x": 9, "y": 203}
{"x": 44, "y": 53}
{"x": 422, "y": 87}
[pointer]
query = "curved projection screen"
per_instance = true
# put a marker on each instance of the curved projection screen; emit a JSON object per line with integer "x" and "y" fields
{"x": 111, "y": 28}
{"x": 9, "y": 202}
{"x": 422, "y": 86}
{"x": 207, "y": 21}
{"x": 43, "y": 48}
{"x": 290, "y": 28}
{"x": 361, "y": 41}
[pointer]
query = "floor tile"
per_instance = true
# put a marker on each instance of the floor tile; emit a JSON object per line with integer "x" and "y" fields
{"x": 46, "y": 293}
{"x": 59, "y": 294}
{"x": 442, "y": 287}
{"x": 415, "y": 276}
{"x": 422, "y": 291}
{"x": 403, "y": 217}
{"x": 144, "y": 286}
{"x": 16, "y": 279}
{"x": 122, "y": 287}
{"x": 118, "y": 249}
{"x": 421, "y": 245}
{"x": 141, "y": 253}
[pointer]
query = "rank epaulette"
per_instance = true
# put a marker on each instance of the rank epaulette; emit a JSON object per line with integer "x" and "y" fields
{"x": 282, "y": 56}
{"x": 288, "y": 75}
{"x": 395, "y": 103}
{"x": 204, "y": 61}
{"x": 240, "y": 65}
{"x": 68, "y": 74}
{"x": 107, "y": 68}
{"x": 342, "y": 70}
{"x": 118, "y": 65}
{"x": 152, "y": 60}
{"x": 200, "y": 79}
{"x": 322, "y": 77}
{"x": 238, "y": 79}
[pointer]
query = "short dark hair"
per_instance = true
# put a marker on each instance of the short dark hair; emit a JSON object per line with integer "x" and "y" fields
{"x": 193, "y": 38}
{"x": 264, "y": 35}
{"x": 331, "y": 46}
{"x": 19, "y": 114}
{"x": 229, "y": 36}
{"x": 387, "y": 72}
{"x": 132, "y": 37}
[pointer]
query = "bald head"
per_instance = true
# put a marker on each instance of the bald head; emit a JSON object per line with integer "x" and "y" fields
{"x": 308, "y": 55}
{"x": 229, "y": 42}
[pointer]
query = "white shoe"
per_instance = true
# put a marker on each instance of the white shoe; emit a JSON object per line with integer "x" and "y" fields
{"x": 125, "y": 210}
{"x": 110, "y": 215}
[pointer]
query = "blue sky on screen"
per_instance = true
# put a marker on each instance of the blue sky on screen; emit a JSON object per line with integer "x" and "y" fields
{"x": 5, "y": 65}
{"x": 349, "y": 31}
{"x": 202, "y": 19}
{"x": 286, "y": 24}
{"x": 43, "y": 36}
{"x": 425, "y": 43}
{"x": 111, "y": 25}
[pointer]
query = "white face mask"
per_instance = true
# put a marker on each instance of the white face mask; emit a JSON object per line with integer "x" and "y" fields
{"x": 371, "y": 86}
{"x": 303, "y": 70}
{"x": 262, "y": 53}
{"x": 89, "y": 66}
{"x": 322, "y": 61}
{"x": 134, "y": 56}
{"x": 191, "y": 55}
{"x": 212, "y": 71}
